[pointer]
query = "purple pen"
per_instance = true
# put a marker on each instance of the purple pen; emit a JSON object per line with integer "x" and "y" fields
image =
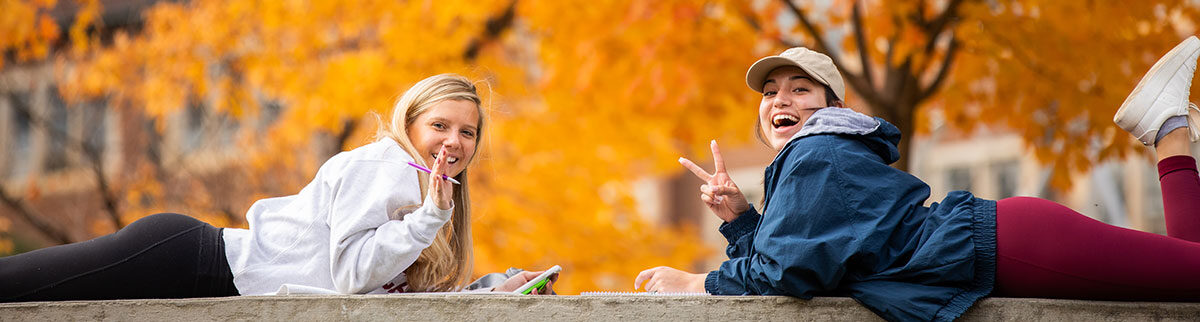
{"x": 419, "y": 167}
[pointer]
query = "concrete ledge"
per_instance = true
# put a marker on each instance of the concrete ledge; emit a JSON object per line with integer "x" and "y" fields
{"x": 442, "y": 307}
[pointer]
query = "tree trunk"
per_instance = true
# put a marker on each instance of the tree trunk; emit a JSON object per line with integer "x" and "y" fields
{"x": 902, "y": 116}
{"x": 897, "y": 102}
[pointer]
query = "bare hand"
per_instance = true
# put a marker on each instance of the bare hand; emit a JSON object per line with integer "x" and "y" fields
{"x": 441, "y": 189}
{"x": 515, "y": 282}
{"x": 665, "y": 279}
{"x": 718, "y": 192}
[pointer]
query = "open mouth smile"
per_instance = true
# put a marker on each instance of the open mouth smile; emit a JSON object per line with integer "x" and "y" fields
{"x": 449, "y": 159}
{"x": 784, "y": 120}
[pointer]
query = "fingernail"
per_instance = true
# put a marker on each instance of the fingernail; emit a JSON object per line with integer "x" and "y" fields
{"x": 680, "y": 160}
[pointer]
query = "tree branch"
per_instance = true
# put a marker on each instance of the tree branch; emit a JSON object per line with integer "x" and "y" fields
{"x": 930, "y": 47}
{"x": 93, "y": 156}
{"x": 344, "y": 135}
{"x": 27, "y": 214}
{"x": 860, "y": 38}
{"x": 233, "y": 217}
{"x": 752, "y": 21}
{"x": 931, "y": 43}
{"x": 492, "y": 30}
{"x": 898, "y": 26}
{"x": 858, "y": 82}
{"x": 102, "y": 186}
{"x": 919, "y": 17}
{"x": 815, "y": 32}
{"x": 946, "y": 17}
{"x": 933, "y": 87}
{"x": 935, "y": 28}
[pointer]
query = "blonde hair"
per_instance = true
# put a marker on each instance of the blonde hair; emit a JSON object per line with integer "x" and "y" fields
{"x": 446, "y": 264}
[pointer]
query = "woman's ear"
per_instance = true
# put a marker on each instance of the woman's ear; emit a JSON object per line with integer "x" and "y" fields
{"x": 838, "y": 104}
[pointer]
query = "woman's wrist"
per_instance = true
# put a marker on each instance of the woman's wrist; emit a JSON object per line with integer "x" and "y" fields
{"x": 433, "y": 206}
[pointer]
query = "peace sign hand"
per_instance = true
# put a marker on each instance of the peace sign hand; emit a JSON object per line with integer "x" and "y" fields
{"x": 719, "y": 192}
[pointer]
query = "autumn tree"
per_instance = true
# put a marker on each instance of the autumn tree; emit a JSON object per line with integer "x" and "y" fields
{"x": 1057, "y": 71}
{"x": 554, "y": 182}
{"x": 583, "y": 98}
{"x": 1053, "y": 71}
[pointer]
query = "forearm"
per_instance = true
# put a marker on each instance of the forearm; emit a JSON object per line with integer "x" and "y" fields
{"x": 740, "y": 233}
{"x": 755, "y": 276}
{"x": 366, "y": 260}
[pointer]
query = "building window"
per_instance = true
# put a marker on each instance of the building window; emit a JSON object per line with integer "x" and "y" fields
{"x": 56, "y": 133}
{"x": 1006, "y": 178}
{"x": 270, "y": 112}
{"x": 20, "y": 145}
{"x": 94, "y": 117}
{"x": 959, "y": 178}
{"x": 1152, "y": 194}
{"x": 193, "y": 137}
{"x": 206, "y": 128}
{"x": 227, "y": 128}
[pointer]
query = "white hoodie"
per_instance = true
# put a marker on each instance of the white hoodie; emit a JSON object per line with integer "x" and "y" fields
{"x": 343, "y": 232}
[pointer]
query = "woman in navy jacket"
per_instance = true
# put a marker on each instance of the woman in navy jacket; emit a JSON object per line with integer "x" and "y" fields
{"x": 837, "y": 220}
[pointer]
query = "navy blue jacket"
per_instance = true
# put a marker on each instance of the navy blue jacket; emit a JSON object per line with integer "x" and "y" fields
{"x": 837, "y": 220}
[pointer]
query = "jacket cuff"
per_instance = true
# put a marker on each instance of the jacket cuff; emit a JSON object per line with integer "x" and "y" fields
{"x": 443, "y": 214}
{"x": 710, "y": 283}
{"x": 744, "y": 224}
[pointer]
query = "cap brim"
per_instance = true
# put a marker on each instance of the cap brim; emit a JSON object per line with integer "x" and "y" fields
{"x": 757, "y": 74}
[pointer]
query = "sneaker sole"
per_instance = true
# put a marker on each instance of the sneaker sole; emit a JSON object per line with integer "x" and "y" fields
{"x": 1174, "y": 59}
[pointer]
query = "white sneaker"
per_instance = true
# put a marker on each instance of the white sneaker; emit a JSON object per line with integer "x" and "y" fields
{"x": 1161, "y": 94}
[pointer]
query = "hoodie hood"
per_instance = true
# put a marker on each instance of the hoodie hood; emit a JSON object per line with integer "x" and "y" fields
{"x": 879, "y": 135}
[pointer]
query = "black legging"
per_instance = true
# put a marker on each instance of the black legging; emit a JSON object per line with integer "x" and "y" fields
{"x": 160, "y": 256}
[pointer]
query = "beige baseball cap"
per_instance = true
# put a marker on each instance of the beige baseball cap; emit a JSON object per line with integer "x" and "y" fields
{"x": 817, "y": 65}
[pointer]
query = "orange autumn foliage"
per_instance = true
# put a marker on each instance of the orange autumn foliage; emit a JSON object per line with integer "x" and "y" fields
{"x": 554, "y": 180}
{"x": 28, "y": 30}
{"x": 1054, "y": 72}
{"x": 583, "y": 98}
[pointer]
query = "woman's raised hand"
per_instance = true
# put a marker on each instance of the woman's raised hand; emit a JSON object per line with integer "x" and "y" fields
{"x": 441, "y": 189}
{"x": 718, "y": 192}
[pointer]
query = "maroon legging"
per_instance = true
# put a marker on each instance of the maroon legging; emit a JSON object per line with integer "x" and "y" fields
{"x": 1048, "y": 250}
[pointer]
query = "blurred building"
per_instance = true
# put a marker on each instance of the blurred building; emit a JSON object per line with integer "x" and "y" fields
{"x": 996, "y": 165}
{"x": 57, "y": 157}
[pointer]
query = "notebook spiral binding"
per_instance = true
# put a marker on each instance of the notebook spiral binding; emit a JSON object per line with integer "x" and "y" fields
{"x": 643, "y": 294}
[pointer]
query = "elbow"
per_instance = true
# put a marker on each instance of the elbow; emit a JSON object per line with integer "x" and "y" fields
{"x": 350, "y": 277}
{"x": 349, "y": 284}
{"x": 346, "y": 284}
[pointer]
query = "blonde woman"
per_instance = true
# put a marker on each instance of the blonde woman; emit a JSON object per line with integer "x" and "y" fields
{"x": 367, "y": 223}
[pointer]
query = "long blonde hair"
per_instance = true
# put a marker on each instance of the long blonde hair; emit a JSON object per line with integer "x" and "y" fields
{"x": 446, "y": 264}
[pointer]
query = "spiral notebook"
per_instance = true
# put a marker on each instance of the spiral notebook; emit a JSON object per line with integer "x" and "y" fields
{"x": 643, "y": 294}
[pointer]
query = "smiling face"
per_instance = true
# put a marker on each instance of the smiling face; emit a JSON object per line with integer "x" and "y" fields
{"x": 790, "y": 97}
{"x": 451, "y": 123}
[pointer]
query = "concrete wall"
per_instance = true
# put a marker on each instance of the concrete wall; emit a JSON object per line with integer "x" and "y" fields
{"x": 444, "y": 307}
